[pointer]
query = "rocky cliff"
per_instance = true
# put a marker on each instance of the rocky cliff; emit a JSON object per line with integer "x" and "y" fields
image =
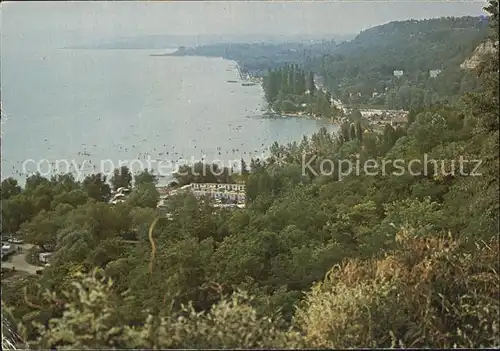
{"x": 483, "y": 49}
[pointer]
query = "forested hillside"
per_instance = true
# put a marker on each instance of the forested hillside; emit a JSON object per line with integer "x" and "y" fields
{"x": 319, "y": 258}
{"x": 361, "y": 71}
{"x": 257, "y": 58}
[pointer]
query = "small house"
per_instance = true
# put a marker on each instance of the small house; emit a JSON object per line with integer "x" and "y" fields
{"x": 433, "y": 73}
{"x": 398, "y": 73}
{"x": 44, "y": 257}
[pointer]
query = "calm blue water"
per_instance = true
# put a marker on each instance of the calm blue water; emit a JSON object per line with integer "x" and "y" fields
{"x": 90, "y": 109}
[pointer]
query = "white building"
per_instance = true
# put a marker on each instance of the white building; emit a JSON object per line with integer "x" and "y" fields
{"x": 119, "y": 196}
{"x": 398, "y": 73}
{"x": 216, "y": 187}
{"x": 433, "y": 73}
{"x": 44, "y": 257}
{"x": 217, "y": 191}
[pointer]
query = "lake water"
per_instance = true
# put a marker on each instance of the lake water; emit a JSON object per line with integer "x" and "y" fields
{"x": 87, "y": 110}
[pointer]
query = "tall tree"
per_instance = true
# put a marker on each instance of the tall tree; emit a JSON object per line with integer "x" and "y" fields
{"x": 352, "y": 132}
{"x": 359, "y": 131}
{"x": 144, "y": 177}
{"x": 311, "y": 85}
{"x": 122, "y": 178}
{"x": 96, "y": 187}
{"x": 244, "y": 168}
{"x": 9, "y": 188}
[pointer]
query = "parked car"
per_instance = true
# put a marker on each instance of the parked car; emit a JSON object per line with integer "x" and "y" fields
{"x": 7, "y": 250}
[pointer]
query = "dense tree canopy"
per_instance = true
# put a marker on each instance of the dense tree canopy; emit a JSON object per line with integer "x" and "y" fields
{"x": 428, "y": 52}
{"x": 290, "y": 89}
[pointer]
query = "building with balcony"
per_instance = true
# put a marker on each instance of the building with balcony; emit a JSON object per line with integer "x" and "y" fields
{"x": 222, "y": 193}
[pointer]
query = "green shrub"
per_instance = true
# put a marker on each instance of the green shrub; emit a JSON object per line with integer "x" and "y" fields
{"x": 32, "y": 256}
{"x": 429, "y": 292}
{"x": 90, "y": 320}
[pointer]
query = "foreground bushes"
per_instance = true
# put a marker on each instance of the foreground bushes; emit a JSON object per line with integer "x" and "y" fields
{"x": 431, "y": 291}
{"x": 90, "y": 320}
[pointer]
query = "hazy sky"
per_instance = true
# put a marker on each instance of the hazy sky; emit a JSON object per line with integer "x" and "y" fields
{"x": 84, "y": 21}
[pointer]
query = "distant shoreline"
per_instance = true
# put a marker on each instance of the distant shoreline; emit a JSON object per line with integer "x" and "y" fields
{"x": 111, "y": 48}
{"x": 268, "y": 114}
{"x": 188, "y": 55}
{"x": 305, "y": 116}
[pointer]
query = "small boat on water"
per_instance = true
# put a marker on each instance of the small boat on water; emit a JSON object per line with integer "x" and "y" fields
{"x": 232, "y": 81}
{"x": 247, "y": 84}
